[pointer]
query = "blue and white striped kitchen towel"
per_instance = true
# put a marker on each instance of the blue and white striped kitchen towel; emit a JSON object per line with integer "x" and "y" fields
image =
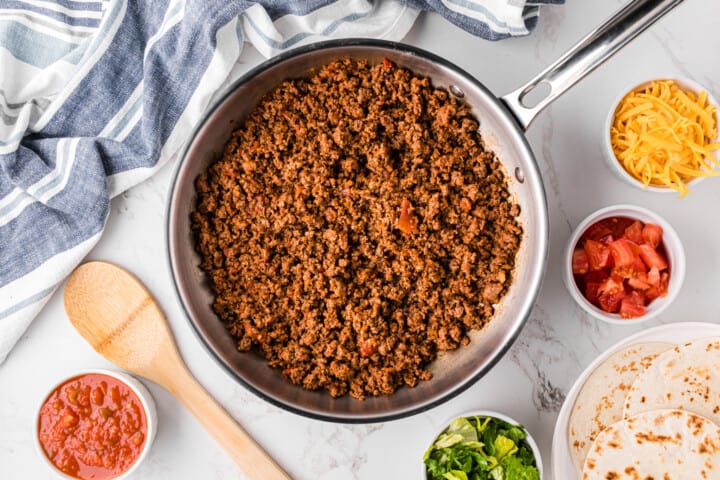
{"x": 95, "y": 95}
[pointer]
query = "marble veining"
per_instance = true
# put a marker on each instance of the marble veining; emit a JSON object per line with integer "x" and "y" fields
{"x": 537, "y": 348}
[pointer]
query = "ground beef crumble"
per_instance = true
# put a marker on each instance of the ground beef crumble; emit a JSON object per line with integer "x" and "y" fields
{"x": 354, "y": 227}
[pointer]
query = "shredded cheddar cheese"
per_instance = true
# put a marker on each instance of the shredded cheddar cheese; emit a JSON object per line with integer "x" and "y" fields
{"x": 663, "y": 135}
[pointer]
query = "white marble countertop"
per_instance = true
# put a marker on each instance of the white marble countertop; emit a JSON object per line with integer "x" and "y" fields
{"x": 558, "y": 341}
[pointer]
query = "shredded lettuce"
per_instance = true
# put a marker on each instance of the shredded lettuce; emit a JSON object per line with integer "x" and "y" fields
{"x": 504, "y": 446}
{"x": 481, "y": 448}
{"x": 455, "y": 475}
{"x": 515, "y": 469}
{"x": 448, "y": 440}
{"x": 463, "y": 427}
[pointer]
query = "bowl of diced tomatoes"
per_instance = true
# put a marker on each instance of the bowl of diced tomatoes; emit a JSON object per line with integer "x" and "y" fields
{"x": 624, "y": 264}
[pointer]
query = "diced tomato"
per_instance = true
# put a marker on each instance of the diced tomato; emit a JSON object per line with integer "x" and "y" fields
{"x": 664, "y": 281}
{"x": 629, "y": 309}
{"x": 617, "y": 225}
{"x": 622, "y": 253}
{"x": 653, "y": 277}
{"x": 652, "y": 234}
{"x": 593, "y": 280}
{"x": 619, "y": 268}
{"x": 591, "y": 292}
{"x": 637, "y": 269}
{"x": 596, "y": 276}
{"x": 639, "y": 281}
{"x": 634, "y": 232}
{"x": 610, "y": 293}
{"x": 651, "y": 294}
{"x": 638, "y": 265}
{"x": 638, "y": 285}
{"x": 598, "y": 254}
{"x": 580, "y": 265}
{"x": 635, "y": 247}
{"x": 611, "y": 302}
{"x": 652, "y": 257}
{"x": 658, "y": 291}
{"x": 607, "y": 240}
{"x": 611, "y": 286}
{"x": 596, "y": 231}
{"x": 621, "y": 273}
{"x": 636, "y": 298}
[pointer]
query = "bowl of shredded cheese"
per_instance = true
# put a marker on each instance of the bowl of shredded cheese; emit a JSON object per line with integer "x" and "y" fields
{"x": 662, "y": 135}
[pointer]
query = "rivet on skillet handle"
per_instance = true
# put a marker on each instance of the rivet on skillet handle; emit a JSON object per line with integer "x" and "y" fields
{"x": 588, "y": 54}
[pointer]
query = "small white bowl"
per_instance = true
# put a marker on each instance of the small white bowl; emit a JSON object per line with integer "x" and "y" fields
{"x": 148, "y": 406}
{"x": 673, "y": 248}
{"x": 487, "y": 413}
{"x": 609, "y": 155}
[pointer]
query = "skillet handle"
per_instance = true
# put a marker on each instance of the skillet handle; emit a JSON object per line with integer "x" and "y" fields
{"x": 588, "y": 54}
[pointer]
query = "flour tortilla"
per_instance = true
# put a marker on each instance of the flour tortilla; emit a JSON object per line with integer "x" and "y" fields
{"x": 661, "y": 445}
{"x": 686, "y": 377}
{"x": 601, "y": 399}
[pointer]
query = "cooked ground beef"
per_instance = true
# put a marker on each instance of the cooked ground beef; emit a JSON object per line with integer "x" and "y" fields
{"x": 354, "y": 227}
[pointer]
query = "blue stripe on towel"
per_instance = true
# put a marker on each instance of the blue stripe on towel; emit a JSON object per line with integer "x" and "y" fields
{"x": 59, "y": 16}
{"x": 26, "y": 302}
{"x": 294, "y": 40}
{"x": 30, "y": 46}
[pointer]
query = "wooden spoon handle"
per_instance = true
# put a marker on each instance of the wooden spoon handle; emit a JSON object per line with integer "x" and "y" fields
{"x": 246, "y": 453}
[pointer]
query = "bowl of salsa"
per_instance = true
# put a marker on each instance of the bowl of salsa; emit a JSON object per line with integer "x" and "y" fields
{"x": 96, "y": 425}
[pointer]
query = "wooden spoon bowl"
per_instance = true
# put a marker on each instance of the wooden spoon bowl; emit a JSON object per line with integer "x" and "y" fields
{"x": 114, "y": 312}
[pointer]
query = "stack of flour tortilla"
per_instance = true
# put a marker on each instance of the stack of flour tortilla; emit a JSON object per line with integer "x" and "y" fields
{"x": 650, "y": 411}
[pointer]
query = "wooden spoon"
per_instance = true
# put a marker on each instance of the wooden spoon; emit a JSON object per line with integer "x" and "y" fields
{"x": 114, "y": 312}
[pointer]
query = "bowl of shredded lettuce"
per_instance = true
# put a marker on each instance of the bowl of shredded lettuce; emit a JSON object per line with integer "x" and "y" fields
{"x": 483, "y": 445}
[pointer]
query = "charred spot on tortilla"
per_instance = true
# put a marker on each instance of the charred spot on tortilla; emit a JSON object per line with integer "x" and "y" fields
{"x": 657, "y": 449}
{"x": 653, "y": 438}
{"x": 600, "y": 401}
{"x": 687, "y": 377}
{"x": 695, "y": 423}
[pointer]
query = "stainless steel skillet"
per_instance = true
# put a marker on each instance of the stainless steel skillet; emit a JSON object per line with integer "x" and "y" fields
{"x": 502, "y": 123}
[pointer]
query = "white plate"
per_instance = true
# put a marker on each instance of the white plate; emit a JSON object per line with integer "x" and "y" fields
{"x": 562, "y": 466}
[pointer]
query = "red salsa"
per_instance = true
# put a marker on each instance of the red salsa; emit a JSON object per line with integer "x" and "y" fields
{"x": 620, "y": 265}
{"x": 92, "y": 426}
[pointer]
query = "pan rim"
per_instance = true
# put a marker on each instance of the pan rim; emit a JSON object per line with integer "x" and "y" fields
{"x": 534, "y": 281}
